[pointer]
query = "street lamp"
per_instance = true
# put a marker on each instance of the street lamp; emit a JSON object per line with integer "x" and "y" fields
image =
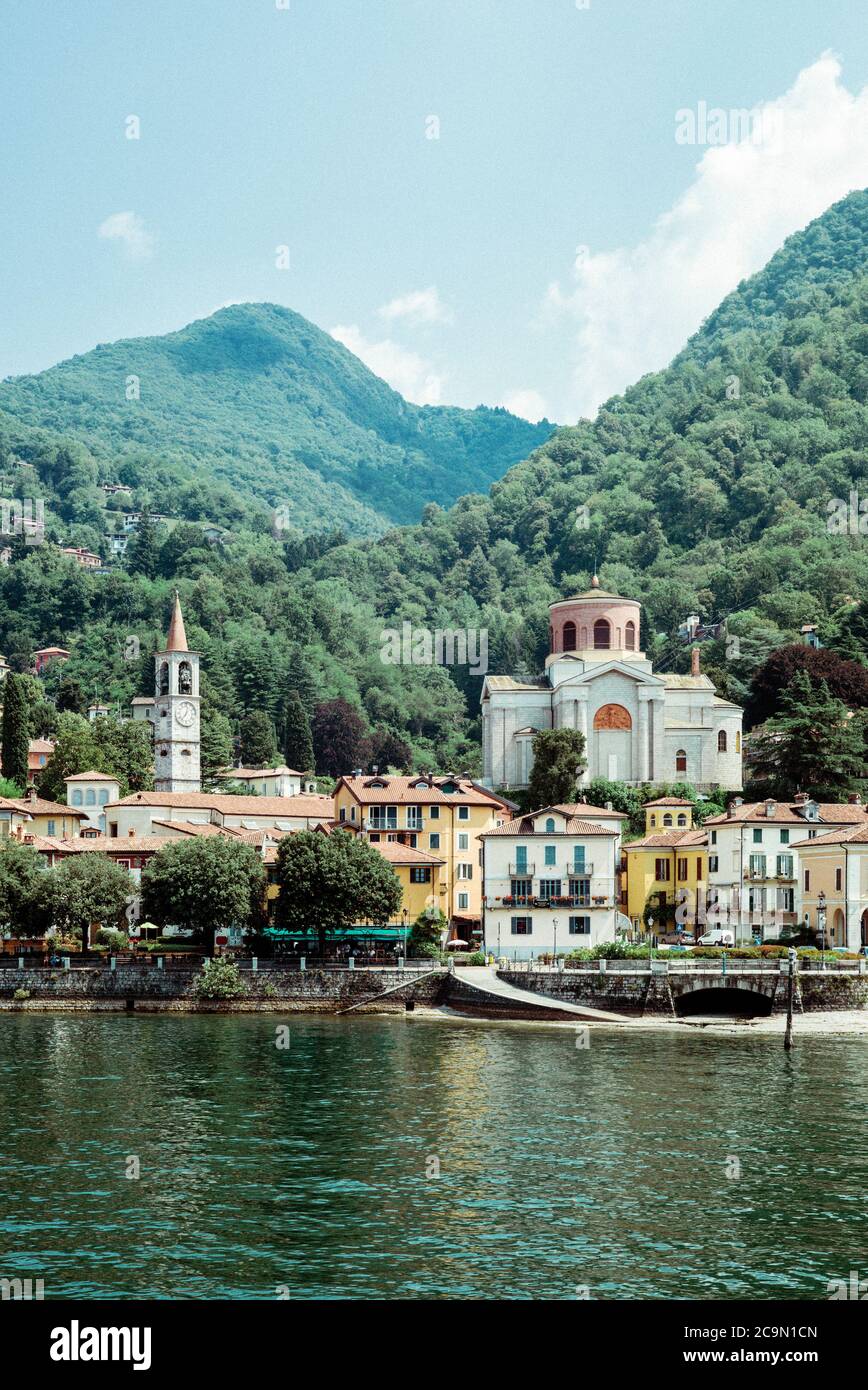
{"x": 821, "y": 927}
{"x": 650, "y": 940}
{"x": 555, "y": 935}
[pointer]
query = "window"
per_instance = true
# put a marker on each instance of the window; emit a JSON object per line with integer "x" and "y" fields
{"x": 463, "y": 841}
{"x": 682, "y": 819}
{"x": 738, "y": 742}
{"x": 464, "y": 813}
{"x": 699, "y": 868}
{"x": 785, "y": 837}
{"x": 414, "y": 818}
{"x": 807, "y": 880}
{"x": 465, "y": 870}
{"x": 76, "y": 797}
{"x": 667, "y": 819}
{"x": 580, "y": 888}
{"x": 721, "y": 741}
{"x": 550, "y": 825}
{"x": 103, "y": 798}
{"x": 653, "y": 820}
{"x": 661, "y": 870}
{"x": 521, "y": 856}
{"x": 164, "y": 679}
{"x": 630, "y": 637}
{"x": 185, "y": 678}
{"x": 434, "y": 841}
{"x": 420, "y": 874}
{"x": 712, "y": 863}
{"x": 521, "y": 926}
{"x": 602, "y": 634}
{"x": 569, "y": 643}
{"x": 52, "y": 827}
{"x": 433, "y": 812}
{"x": 714, "y": 837}
{"x": 374, "y": 838}
{"x": 90, "y": 797}
{"x": 343, "y": 813}
{"x": 682, "y": 869}
{"x": 757, "y": 865}
{"x": 757, "y": 837}
{"x": 578, "y": 859}
{"x": 681, "y": 760}
{"x": 463, "y": 902}
{"x": 550, "y": 888}
{"x": 785, "y": 866}
{"x": 580, "y": 926}
{"x": 521, "y": 887}
{"x": 551, "y": 854}
{"x": 838, "y": 880}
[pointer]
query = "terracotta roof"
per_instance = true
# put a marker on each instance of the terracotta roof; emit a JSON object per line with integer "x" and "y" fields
{"x": 100, "y": 844}
{"x": 305, "y": 806}
{"x": 176, "y": 641}
{"x": 405, "y": 854}
{"x": 9, "y": 804}
{"x": 524, "y": 826}
{"x": 584, "y": 809}
{"x": 792, "y": 813}
{"x": 90, "y": 777}
{"x": 246, "y": 772}
{"x": 37, "y": 807}
{"x": 415, "y": 790}
{"x": 670, "y": 839}
{"x": 594, "y": 593}
{"x": 857, "y": 836}
{"x": 41, "y": 745}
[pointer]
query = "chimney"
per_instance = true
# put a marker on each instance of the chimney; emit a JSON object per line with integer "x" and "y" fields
{"x": 800, "y": 798}
{"x": 854, "y": 799}
{"x": 609, "y": 806}
{"x": 31, "y": 794}
{"x": 694, "y": 662}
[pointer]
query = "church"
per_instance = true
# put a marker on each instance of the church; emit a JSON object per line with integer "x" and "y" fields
{"x": 174, "y": 711}
{"x": 639, "y": 725}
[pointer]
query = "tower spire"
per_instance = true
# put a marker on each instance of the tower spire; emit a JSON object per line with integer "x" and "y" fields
{"x": 177, "y": 638}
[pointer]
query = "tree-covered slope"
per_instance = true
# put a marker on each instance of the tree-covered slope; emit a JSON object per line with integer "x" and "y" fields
{"x": 257, "y": 397}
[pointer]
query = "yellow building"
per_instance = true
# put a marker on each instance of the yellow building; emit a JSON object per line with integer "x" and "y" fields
{"x": 834, "y": 880}
{"x": 441, "y": 816}
{"x": 51, "y": 818}
{"x": 668, "y": 867}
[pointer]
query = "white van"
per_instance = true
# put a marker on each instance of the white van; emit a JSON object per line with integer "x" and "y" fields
{"x": 717, "y": 937}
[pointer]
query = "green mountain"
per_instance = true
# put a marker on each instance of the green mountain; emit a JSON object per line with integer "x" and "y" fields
{"x": 259, "y": 398}
{"x": 715, "y": 486}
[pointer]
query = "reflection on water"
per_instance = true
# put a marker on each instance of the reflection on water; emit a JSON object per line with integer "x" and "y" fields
{"x": 559, "y": 1166}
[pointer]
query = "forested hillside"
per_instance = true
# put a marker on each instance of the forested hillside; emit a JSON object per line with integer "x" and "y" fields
{"x": 704, "y": 488}
{"x": 259, "y": 398}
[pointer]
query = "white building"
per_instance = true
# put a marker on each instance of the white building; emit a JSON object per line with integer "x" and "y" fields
{"x": 754, "y": 873}
{"x": 639, "y": 726}
{"x": 91, "y": 792}
{"x": 550, "y": 881}
{"x": 267, "y": 781}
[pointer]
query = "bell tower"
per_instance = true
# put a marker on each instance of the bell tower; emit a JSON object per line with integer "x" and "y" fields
{"x": 176, "y": 711}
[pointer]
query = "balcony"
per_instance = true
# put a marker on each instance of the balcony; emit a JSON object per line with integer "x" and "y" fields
{"x": 522, "y": 870}
{"x": 577, "y": 870}
{"x": 376, "y": 823}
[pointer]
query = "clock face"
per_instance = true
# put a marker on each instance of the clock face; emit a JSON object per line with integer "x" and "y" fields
{"x": 185, "y": 714}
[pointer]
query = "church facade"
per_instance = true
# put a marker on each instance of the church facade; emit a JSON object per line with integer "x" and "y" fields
{"x": 639, "y": 725}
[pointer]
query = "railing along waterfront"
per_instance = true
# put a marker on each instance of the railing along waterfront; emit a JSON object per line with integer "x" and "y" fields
{"x": 661, "y": 965}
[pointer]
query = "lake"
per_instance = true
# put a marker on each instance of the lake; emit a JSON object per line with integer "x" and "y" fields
{"x": 313, "y": 1169}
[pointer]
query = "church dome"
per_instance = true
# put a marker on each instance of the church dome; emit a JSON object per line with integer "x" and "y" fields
{"x": 595, "y": 622}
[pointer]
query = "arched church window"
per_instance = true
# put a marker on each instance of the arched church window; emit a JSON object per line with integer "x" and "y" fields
{"x": 164, "y": 679}
{"x": 90, "y": 797}
{"x": 185, "y": 678}
{"x": 681, "y": 760}
{"x": 602, "y": 634}
{"x": 630, "y": 637}
{"x": 667, "y": 819}
{"x": 550, "y": 825}
{"x": 569, "y": 643}
{"x": 721, "y": 741}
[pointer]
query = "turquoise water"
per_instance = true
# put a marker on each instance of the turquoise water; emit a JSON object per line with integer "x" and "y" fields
{"x": 312, "y": 1169}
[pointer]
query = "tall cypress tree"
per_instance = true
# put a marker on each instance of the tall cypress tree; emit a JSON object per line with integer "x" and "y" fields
{"x": 298, "y": 743}
{"x": 16, "y": 731}
{"x": 143, "y": 551}
{"x": 299, "y": 679}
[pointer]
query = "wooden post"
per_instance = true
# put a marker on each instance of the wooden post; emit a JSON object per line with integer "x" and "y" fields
{"x": 791, "y": 983}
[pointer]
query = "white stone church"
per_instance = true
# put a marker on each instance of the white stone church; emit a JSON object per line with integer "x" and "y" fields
{"x": 639, "y": 726}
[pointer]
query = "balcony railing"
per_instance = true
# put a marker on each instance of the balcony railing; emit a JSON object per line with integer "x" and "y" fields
{"x": 522, "y": 870}
{"x": 578, "y": 870}
{"x": 376, "y": 823}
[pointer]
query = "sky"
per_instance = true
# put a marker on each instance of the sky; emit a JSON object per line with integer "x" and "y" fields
{"x": 519, "y": 202}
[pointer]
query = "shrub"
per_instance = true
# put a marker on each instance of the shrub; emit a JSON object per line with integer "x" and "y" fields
{"x": 21, "y": 994}
{"x": 219, "y": 979}
{"x": 115, "y": 940}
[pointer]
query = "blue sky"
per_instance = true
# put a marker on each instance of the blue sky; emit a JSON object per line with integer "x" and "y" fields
{"x": 552, "y": 244}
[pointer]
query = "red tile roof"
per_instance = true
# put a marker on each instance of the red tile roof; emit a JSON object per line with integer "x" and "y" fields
{"x": 416, "y": 790}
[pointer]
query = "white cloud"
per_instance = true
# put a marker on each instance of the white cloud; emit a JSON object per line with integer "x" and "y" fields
{"x": 636, "y": 306}
{"x": 420, "y": 306}
{"x": 527, "y": 403}
{"x": 129, "y": 229}
{"x": 406, "y": 371}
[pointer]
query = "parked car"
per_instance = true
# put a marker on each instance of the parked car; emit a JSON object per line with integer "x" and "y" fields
{"x": 718, "y": 936}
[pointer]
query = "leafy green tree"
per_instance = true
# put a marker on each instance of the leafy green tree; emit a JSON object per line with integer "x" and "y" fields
{"x": 846, "y": 680}
{"x": 16, "y": 729}
{"x": 216, "y": 746}
{"x": 558, "y": 754}
{"x": 426, "y": 932}
{"x": 122, "y": 750}
{"x": 298, "y": 743}
{"x": 330, "y": 882}
{"x": 204, "y": 885}
{"x": 10, "y": 789}
{"x": 70, "y": 697}
{"x": 143, "y": 550}
{"x": 815, "y": 744}
{"x": 258, "y": 744}
{"x": 23, "y": 883}
{"x": 219, "y": 979}
{"x": 84, "y": 890}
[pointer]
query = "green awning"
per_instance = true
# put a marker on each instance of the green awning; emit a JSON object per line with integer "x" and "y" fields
{"x": 344, "y": 934}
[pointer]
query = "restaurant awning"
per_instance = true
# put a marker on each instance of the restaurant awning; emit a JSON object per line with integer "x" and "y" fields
{"x": 343, "y": 934}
